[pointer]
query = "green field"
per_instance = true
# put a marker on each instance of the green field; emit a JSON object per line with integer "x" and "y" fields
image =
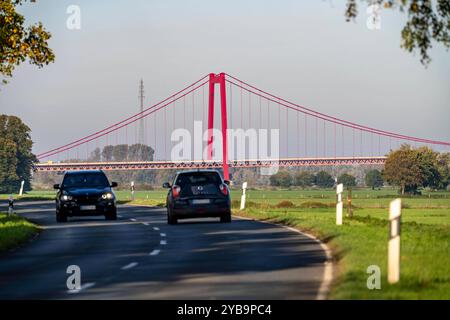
{"x": 364, "y": 198}
{"x": 360, "y": 241}
{"x": 14, "y": 231}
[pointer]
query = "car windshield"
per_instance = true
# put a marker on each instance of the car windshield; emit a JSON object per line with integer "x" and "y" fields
{"x": 85, "y": 180}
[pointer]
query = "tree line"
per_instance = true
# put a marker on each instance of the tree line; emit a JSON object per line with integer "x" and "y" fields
{"x": 323, "y": 179}
{"x": 122, "y": 152}
{"x": 408, "y": 168}
{"x": 414, "y": 168}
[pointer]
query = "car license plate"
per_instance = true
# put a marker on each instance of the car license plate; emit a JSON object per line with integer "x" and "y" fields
{"x": 200, "y": 201}
{"x": 87, "y": 208}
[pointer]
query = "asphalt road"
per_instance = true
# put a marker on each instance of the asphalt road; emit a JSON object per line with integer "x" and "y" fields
{"x": 139, "y": 256}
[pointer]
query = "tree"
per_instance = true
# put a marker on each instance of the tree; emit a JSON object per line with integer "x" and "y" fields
{"x": 347, "y": 180}
{"x": 16, "y": 158}
{"x": 374, "y": 179}
{"x": 443, "y": 167}
{"x": 411, "y": 169}
{"x": 107, "y": 153}
{"x": 426, "y": 22}
{"x": 304, "y": 179}
{"x": 95, "y": 155}
{"x": 404, "y": 169}
{"x": 19, "y": 43}
{"x": 324, "y": 180}
{"x": 120, "y": 152}
{"x": 427, "y": 159}
{"x": 281, "y": 179}
{"x": 140, "y": 152}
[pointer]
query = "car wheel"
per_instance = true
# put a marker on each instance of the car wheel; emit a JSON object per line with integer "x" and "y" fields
{"x": 170, "y": 218}
{"x": 226, "y": 218}
{"x": 60, "y": 217}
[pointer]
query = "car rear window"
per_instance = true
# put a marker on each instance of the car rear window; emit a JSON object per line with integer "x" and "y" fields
{"x": 85, "y": 180}
{"x": 198, "y": 178}
{"x": 198, "y": 183}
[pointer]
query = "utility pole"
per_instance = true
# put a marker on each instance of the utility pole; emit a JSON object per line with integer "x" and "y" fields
{"x": 141, "y": 109}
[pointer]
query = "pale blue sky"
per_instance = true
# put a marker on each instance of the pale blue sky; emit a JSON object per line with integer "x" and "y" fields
{"x": 301, "y": 50}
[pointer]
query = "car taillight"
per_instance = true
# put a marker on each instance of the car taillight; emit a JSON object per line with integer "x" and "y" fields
{"x": 223, "y": 189}
{"x": 176, "y": 191}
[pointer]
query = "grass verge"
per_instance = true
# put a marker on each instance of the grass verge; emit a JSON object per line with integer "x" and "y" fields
{"x": 14, "y": 231}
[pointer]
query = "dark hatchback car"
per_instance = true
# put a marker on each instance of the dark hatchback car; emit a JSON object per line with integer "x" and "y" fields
{"x": 85, "y": 193}
{"x": 196, "y": 194}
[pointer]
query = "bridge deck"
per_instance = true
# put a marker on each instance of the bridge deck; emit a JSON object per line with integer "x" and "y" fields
{"x": 189, "y": 164}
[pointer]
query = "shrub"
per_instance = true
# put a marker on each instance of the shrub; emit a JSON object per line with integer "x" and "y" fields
{"x": 285, "y": 204}
{"x": 316, "y": 204}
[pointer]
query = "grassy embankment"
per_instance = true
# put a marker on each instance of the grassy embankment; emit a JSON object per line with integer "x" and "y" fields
{"x": 14, "y": 231}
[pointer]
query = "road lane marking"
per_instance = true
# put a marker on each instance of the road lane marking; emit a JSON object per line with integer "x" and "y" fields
{"x": 129, "y": 266}
{"x": 85, "y": 286}
{"x": 146, "y": 223}
{"x": 156, "y": 228}
{"x": 162, "y": 234}
{"x": 155, "y": 252}
{"x": 163, "y": 242}
{"x": 133, "y": 219}
{"x": 120, "y": 216}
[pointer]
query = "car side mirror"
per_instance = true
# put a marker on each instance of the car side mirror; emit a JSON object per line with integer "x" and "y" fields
{"x": 166, "y": 185}
{"x": 56, "y": 186}
{"x": 227, "y": 182}
{"x": 114, "y": 184}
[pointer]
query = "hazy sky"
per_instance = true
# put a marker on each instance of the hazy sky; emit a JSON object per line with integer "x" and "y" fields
{"x": 302, "y": 50}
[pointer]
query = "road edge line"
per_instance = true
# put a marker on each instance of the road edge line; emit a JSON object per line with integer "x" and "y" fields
{"x": 327, "y": 276}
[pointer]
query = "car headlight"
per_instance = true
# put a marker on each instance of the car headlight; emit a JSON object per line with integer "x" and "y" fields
{"x": 66, "y": 197}
{"x": 107, "y": 196}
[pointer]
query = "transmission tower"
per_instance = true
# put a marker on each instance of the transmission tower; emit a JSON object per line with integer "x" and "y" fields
{"x": 141, "y": 109}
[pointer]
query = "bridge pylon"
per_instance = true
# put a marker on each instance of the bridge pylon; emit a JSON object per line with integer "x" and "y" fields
{"x": 213, "y": 80}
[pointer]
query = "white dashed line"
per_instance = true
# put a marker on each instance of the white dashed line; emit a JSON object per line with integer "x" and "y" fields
{"x": 119, "y": 216}
{"x": 133, "y": 219}
{"x": 129, "y": 266}
{"x": 156, "y": 228}
{"x": 85, "y": 286}
{"x": 163, "y": 242}
{"x": 154, "y": 252}
{"x": 162, "y": 234}
{"x": 146, "y": 223}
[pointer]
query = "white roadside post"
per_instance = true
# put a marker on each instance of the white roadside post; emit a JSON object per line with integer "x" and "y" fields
{"x": 395, "y": 212}
{"x": 132, "y": 190}
{"x": 244, "y": 187}
{"x": 21, "y": 187}
{"x": 339, "y": 204}
{"x": 10, "y": 205}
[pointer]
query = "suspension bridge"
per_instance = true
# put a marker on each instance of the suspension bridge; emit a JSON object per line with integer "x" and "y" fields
{"x": 151, "y": 139}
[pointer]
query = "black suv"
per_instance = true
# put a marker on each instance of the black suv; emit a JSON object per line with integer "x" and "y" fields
{"x": 198, "y": 194}
{"x": 85, "y": 193}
